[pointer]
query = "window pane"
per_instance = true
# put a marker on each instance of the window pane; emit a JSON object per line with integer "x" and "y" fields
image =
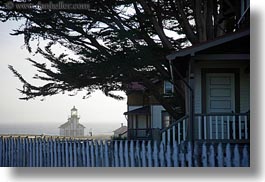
{"x": 168, "y": 87}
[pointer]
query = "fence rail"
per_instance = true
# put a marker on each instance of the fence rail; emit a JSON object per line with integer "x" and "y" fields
{"x": 50, "y": 152}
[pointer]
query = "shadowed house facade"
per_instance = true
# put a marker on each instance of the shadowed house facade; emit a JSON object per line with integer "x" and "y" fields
{"x": 217, "y": 94}
{"x": 72, "y": 127}
{"x": 145, "y": 115}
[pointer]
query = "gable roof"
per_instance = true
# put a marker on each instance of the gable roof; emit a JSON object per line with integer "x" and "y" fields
{"x": 64, "y": 125}
{"x": 121, "y": 130}
{"x": 205, "y": 45}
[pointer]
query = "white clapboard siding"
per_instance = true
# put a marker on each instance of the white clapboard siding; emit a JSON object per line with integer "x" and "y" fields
{"x": 58, "y": 152}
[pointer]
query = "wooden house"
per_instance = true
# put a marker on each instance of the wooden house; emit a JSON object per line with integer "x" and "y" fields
{"x": 120, "y": 132}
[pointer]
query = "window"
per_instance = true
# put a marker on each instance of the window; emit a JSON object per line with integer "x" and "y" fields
{"x": 166, "y": 119}
{"x": 168, "y": 88}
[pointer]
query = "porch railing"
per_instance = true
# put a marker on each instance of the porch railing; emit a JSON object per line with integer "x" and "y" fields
{"x": 214, "y": 126}
{"x": 230, "y": 126}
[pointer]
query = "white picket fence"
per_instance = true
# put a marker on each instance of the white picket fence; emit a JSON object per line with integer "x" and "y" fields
{"x": 52, "y": 152}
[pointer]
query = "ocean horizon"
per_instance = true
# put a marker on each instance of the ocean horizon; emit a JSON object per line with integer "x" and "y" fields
{"x": 53, "y": 128}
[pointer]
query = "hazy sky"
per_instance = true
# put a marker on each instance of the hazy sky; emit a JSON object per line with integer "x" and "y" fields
{"x": 53, "y": 110}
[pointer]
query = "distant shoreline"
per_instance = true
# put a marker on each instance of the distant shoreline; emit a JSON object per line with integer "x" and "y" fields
{"x": 95, "y": 137}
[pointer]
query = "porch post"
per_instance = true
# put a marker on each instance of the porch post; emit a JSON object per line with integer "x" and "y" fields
{"x": 191, "y": 100}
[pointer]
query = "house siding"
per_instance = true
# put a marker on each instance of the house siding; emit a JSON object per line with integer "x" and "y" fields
{"x": 244, "y": 81}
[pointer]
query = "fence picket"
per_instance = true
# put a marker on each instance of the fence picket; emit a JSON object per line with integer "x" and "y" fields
{"x": 220, "y": 155}
{"x": 5, "y": 152}
{"x": 40, "y": 152}
{"x": 143, "y": 154}
{"x": 195, "y": 155}
{"x": 204, "y": 155}
{"x": 126, "y": 154}
{"x": 27, "y": 156}
{"x": 245, "y": 159}
{"x": 102, "y": 161}
{"x": 71, "y": 152}
{"x": 66, "y": 153}
{"x": 36, "y": 152}
{"x": 116, "y": 154}
{"x": 55, "y": 152}
{"x": 168, "y": 155}
{"x": 228, "y": 155}
{"x": 121, "y": 154}
{"x": 11, "y": 152}
{"x": 161, "y": 155}
{"x": 75, "y": 153}
{"x": 189, "y": 155}
{"x": 92, "y": 154}
{"x": 182, "y": 155}
{"x": 236, "y": 159}
{"x": 132, "y": 154}
{"x": 175, "y": 154}
{"x": 155, "y": 154}
{"x": 137, "y": 155}
{"x": 87, "y": 154}
{"x": 96, "y": 154}
{"x": 149, "y": 154}
{"x": 211, "y": 156}
{"x": 106, "y": 151}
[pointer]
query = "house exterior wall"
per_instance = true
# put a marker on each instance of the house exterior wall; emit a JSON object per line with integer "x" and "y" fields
{"x": 156, "y": 116}
{"x": 139, "y": 98}
{"x": 244, "y": 81}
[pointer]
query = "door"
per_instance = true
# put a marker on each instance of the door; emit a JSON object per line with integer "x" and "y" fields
{"x": 220, "y": 93}
{"x": 220, "y": 98}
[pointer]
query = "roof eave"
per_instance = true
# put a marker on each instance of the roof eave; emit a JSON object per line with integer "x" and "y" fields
{"x": 196, "y": 48}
